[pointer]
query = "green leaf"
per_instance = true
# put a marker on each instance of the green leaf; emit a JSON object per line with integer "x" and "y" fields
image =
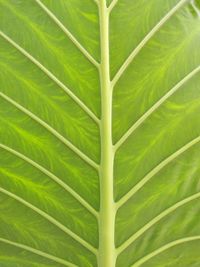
{"x": 100, "y": 133}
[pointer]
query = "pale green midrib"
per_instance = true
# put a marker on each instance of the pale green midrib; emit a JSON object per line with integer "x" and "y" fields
{"x": 68, "y": 33}
{"x": 155, "y": 220}
{"x": 165, "y": 247}
{"x": 107, "y": 252}
{"x": 54, "y": 178}
{"x": 157, "y": 169}
{"x": 50, "y": 219}
{"x": 53, "y": 78}
{"x": 50, "y": 129}
{"x": 38, "y": 252}
{"x": 143, "y": 118}
{"x": 148, "y": 37}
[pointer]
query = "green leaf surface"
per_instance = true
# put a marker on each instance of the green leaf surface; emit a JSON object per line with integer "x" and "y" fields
{"x": 100, "y": 133}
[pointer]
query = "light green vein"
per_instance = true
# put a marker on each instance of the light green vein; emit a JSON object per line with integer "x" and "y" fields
{"x": 52, "y": 77}
{"x": 155, "y": 220}
{"x": 112, "y": 5}
{"x": 52, "y": 130}
{"x": 38, "y": 252}
{"x": 54, "y": 178}
{"x": 136, "y": 50}
{"x": 68, "y": 33}
{"x": 51, "y": 220}
{"x": 156, "y": 106}
{"x": 165, "y": 247}
{"x": 195, "y": 7}
{"x": 153, "y": 172}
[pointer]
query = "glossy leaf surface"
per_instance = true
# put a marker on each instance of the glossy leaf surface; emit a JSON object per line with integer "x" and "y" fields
{"x": 100, "y": 133}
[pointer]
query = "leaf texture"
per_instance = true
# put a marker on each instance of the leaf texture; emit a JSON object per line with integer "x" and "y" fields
{"x": 100, "y": 133}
